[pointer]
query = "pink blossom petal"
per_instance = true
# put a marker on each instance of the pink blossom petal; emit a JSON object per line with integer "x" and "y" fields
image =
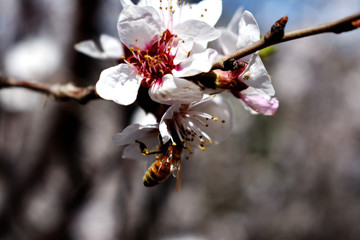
{"x": 119, "y": 84}
{"x": 256, "y": 102}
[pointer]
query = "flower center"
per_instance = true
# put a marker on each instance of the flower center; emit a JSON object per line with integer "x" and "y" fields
{"x": 156, "y": 61}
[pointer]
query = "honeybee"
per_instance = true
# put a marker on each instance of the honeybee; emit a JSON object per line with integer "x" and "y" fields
{"x": 167, "y": 163}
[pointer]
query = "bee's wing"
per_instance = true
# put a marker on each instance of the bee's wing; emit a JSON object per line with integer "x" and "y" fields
{"x": 176, "y": 172}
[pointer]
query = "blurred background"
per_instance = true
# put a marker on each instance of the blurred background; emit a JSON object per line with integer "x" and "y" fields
{"x": 295, "y": 175}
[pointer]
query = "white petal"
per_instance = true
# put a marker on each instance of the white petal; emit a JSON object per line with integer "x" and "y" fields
{"x": 198, "y": 30}
{"x": 226, "y": 44}
{"x": 256, "y": 76}
{"x": 233, "y": 25}
{"x": 88, "y": 47}
{"x": 131, "y": 133}
{"x": 125, "y": 3}
{"x": 139, "y": 26}
{"x": 182, "y": 49}
{"x": 175, "y": 90}
{"x": 208, "y": 11}
{"x": 196, "y": 63}
{"x": 120, "y": 84}
{"x": 163, "y": 125}
{"x": 112, "y": 46}
{"x": 141, "y": 117}
{"x": 249, "y": 32}
{"x": 220, "y": 128}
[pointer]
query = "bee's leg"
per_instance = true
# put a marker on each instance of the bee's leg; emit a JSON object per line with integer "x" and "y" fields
{"x": 144, "y": 149}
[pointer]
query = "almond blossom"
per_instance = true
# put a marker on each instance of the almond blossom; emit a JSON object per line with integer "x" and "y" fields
{"x": 193, "y": 126}
{"x": 253, "y": 83}
{"x": 164, "y": 43}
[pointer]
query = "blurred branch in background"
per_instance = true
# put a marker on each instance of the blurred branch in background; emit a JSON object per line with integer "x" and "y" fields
{"x": 59, "y": 92}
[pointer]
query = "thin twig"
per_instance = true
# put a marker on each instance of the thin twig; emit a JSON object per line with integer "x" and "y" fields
{"x": 59, "y": 92}
{"x": 343, "y": 25}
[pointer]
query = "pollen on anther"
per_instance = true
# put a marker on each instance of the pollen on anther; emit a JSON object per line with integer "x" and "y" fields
{"x": 215, "y": 119}
{"x": 211, "y": 142}
{"x": 203, "y": 148}
{"x": 123, "y": 57}
{"x": 131, "y": 49}
{"x": 136, "y": 39}
{"x": 202, "y": 15}
{"x": 203, "y": 141}
{"x": 247, "y": 76}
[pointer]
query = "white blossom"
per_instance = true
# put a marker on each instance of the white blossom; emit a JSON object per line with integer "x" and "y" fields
{"x": 257, "y": 91}
{"x": 164, "y": 47}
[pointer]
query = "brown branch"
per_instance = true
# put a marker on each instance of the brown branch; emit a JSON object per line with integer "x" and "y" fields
{"x": 274, "y": 36}
{"x": 59, "y": 92}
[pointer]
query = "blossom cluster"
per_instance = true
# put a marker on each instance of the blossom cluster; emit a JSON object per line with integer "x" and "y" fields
{"x": 164, "y": 60}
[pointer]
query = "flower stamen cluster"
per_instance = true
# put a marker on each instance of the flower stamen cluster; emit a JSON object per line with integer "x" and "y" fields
{"x": 155, "y": 61}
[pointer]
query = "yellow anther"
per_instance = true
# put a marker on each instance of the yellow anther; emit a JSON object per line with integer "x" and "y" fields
{"x": 138, "y": 51}
{"x": 123, "y": 57}
{"x": 211, "y": 142}
{"x": 174, "y": 144}
{"x": 203, "y": 141}
{"x": 215, "y": 119}
{"x": 131, "y": 49}
{"x": 247, "y": 76}
{"x": 203, "y": 148}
